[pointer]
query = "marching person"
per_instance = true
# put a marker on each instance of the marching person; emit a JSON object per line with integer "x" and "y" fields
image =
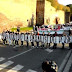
{"x": 42, "y": 40}
{"x": 18, "y": 29}
{"x": 27, "y": 39}
{"x": 3, "y": 37}
{"x": 70, "y": 43}
{"x": 13, "y": 39}
{"x": 7, "y": 36}
{"x": 55, "y": 44}
{"x": 17, "y": 38}
{"x": 45, "y": 41}
{"x": 16, "y": 41}
{"x": 22, "y": 38}
{"x": 10, "y": 38}
{"x": 48, "y": 39}
{"x": 31, "y": 39}
{"x": 37, "y": 39}
{"x": 63, "y": 40}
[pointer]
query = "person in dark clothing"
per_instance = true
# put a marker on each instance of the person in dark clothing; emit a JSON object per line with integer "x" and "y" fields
{"x": 32, "y": 39}
{"x": 70, "y": 39}
{"x": 37, "y": 39}
{"x": 27, "y": 40}
{"x": 47, "y": 66}
{"x": 18, "y": 29}
{"x": 48, "y": 39}
{"x": 55, "y": 44}
{"x": 43, "y": 40}
{"x": 63, "y": 40}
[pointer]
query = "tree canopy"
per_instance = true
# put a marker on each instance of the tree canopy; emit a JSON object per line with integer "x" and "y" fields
{"x": 70, "y": 5}
{"x": 58, "y": 6}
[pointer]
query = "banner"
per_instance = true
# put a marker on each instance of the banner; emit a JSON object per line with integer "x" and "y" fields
{"x": 51, "y": 31}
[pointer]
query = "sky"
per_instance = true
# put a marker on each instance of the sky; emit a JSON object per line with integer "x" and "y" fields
{"x": 65, "y": 2}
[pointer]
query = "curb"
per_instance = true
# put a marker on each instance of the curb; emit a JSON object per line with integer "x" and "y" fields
{"x": 68, "y": 65}
{"x": 62, "y": 66}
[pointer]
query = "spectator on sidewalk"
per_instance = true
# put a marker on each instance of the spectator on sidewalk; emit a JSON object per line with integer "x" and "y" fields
{"x": 49, "y": 66}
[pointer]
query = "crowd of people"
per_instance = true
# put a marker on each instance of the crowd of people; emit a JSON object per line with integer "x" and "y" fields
{"x": 13, "y": 38}
{"x": 42, "y": 41}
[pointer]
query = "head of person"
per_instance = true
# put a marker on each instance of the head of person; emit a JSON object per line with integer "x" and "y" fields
{"x": 49, "y": 33}
{"x": 49, "y": 66}
{"x": 43, "y": 33}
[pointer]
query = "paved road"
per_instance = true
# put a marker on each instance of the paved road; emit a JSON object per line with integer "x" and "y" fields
{"x": 70, "y": 69}
{"x": 28, "y": 59}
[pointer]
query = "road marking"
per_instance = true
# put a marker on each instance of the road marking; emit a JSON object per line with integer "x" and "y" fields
{"x": 16, "y": 68}
{"x": 68, "y": 65}
{"x": 29, "y": 70}
{"x": 16, "y": 46}
{"x": 49, "y": 50}
{"x": 20, "y": 53}
{"x": 4, "y": 65}
{"x": 61, "y": 68}
{"x": 2, "y": 58}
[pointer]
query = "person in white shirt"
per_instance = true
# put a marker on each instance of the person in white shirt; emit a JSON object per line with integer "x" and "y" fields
{"x": 22, "y": 38}
{"x": 70, "y": 41}
{"x": 3, "y": 37}
{"x": 31, "y": 39}
{"x": 63, "y": 40}
{"x": 13, "y": 39}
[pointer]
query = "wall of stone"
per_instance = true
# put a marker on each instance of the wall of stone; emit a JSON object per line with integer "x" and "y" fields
{"x": 19, "y": 10}
{"x": 24, "y": 11}
{"x": 67, "y": 17}
{"x": 40, "y": 12}
{"x": 51, "y": 14}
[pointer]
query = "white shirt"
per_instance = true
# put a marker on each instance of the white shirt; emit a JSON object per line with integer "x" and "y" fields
{"x": 22, "y": 37}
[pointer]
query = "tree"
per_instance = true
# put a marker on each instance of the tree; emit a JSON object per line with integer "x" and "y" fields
{"x": 58, "y": 6}
{"x": 70, "y": 6}
{"x": 66, "y": 9}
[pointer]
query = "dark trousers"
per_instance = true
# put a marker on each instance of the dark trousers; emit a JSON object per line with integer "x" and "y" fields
{"x": 13, "y": 42}
{"x": 16, "y": 42}
{"x": 27, "y": 44}
{"x": 21, "y": 42}
{"x": 55, "y": 46}
{"x": 62, "y": 45}
{"x": 32, "y": 43}
{"x": 42, "y": 45}
{"x": 37, "y": 44}
{"x": 48, "y": 44}
{"x": 4, "y": 41}
{"x": 70, "y": 45}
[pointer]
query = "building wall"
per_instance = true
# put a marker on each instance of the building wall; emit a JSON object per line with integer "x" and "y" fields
{"x": 18, "y": 10}
{"x": 51, "y": 14}
{"x": 25, "y": 11}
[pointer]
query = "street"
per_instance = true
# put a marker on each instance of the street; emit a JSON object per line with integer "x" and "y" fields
{"x": 28, "y": 59}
